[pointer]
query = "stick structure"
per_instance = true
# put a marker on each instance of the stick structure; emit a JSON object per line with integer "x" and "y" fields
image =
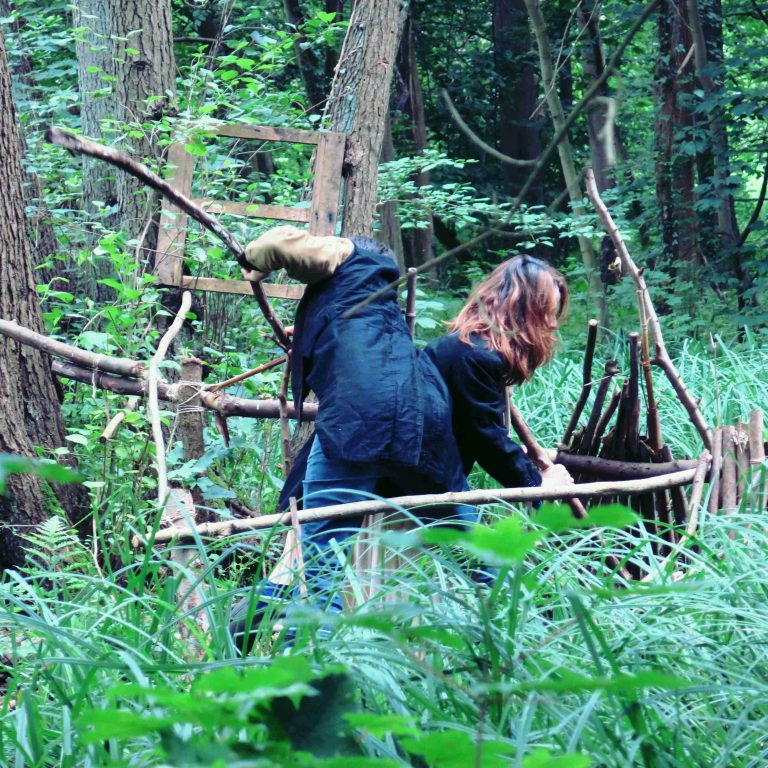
{"x": 126, "y": 163}
{"x": 410, "y": 300}
{"x": 662, "y": 358}
{"x": 582, "y": 491}
{"x": 586, "y": 381}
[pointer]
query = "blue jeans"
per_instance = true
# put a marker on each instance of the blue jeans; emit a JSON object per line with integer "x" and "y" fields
{"x": 328, "y": 482}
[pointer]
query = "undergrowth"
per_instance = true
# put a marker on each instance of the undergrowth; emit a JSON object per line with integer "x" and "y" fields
{"x": 559, "y": 663}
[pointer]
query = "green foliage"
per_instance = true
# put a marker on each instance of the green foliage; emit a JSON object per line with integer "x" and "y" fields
{"x": 11, "y": 464}
{"x": 559, "y": 663}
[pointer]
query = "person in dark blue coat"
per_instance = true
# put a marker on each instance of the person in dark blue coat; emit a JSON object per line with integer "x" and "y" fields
{"x": 392, "y": 420}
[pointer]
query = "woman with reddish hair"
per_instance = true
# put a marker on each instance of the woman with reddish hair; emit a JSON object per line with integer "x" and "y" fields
{"x": 393, "y": 420}
{"x": 501, "y": 336}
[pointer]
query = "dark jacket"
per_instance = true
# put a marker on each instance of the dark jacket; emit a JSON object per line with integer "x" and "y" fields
{"x": 379, "y": 400}
{"x": 475, "y": 378}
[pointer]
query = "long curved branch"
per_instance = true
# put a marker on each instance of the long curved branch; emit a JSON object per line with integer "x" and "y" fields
{"x": 126, "y": 163}
{"x": 579, "y": 491}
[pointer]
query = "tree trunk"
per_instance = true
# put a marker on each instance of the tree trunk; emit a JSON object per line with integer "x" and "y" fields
{"x": 418, "y": 243}
{"x": 675, "y": 164}
{"x": 566, "y": 152}
{"x": 706, "y": 21}
{"x": 29, "y": 405}
{"x": 41, "y": 232}
{"x": 359, "y": 102}
{"x": 514, "y": 63}
{"x": 601, "y": 126}
{"x": 126, "y": 72}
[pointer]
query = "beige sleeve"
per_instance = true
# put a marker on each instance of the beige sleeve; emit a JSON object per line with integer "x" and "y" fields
{"x": 305, "y": 257}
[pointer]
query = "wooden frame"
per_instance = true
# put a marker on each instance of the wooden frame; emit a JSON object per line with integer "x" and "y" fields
{"x": 321, "y": 215}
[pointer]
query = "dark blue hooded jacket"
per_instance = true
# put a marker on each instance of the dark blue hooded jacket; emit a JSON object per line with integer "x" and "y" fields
{"x": 380, "y": 401}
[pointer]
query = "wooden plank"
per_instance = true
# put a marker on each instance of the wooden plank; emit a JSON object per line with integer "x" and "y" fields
{"x": 172, "y": 235}
{"x": 267, "y": 133}
{"x": 327, "y": 183}
{"x": 241, "y": 287}
{"x": 255, "y": 210}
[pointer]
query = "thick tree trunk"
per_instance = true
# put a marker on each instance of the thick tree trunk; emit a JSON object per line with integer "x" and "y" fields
{"x": 391, "y": 234}
{"x": 29, "y": 406}
{"x": 359, "y": 102}
{"x": 514, "y": 63}
{"x": 126, "y": 71}
{"x": 41, "y": 232}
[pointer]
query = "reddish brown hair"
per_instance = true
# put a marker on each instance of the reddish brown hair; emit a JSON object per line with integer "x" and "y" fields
{"x": 515, "y": 312}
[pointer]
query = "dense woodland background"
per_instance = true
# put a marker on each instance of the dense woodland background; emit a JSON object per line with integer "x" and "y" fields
{"x": 470, "y": 126}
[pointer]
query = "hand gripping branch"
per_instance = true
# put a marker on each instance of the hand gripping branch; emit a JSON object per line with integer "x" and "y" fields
{"x": 129, "y": 165}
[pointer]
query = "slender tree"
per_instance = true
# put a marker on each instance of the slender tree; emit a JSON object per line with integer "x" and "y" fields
{"x": 675, "y": 163}
{"x": 417, "y": 242}
{"x": 29, "y": 406}
{"x": 565, "y": 150}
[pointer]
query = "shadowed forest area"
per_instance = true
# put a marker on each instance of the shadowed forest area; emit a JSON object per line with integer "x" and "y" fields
{"x": 148, "y": 427}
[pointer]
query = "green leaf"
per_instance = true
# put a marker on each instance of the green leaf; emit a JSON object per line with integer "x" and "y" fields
{"x": 197, "y": 149}
{"x": 457, "y": 749}
{"x": 12, "y": 464}
{"x": 570, "y": 682}
{"x": 77, "y": 439}
{"x": 379, "y": 726}
{"x": 95, "y": 340}
{"x": 115, "y": 723}
{"x": 542, "y": 758}
{"x": 559, "y": 517}
{"x": 276, "y": 679}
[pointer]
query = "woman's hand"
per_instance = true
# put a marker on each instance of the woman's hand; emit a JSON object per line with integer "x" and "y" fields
{"x": 556, "y": 474}
{"x": 253, "y": 275}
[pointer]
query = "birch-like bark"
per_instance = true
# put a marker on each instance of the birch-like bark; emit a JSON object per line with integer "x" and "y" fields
{"x": 565, "y": 151}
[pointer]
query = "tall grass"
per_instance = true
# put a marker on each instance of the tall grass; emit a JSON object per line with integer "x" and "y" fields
{"x": 558, "y": 660}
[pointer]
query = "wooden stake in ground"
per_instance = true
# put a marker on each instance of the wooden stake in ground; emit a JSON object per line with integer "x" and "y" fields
{"x": 586, "y": 381}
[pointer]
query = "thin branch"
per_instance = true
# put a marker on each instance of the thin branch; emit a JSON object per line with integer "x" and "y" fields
{"x": 582, "y": 491}
{"x": 246, "y": 375}
{"x": 219, "y": 402}
{"x": 126, "y": 163}
{"x": 410, "y": 301}
{"x": 121, "y": 366}
{"x": 475, "y": 139}
{"x": 153, "y": 407}
{"x": 116, "y": 420}
{"x": 697, "y": 488}
{"x": 586, "y": 381}
{"x": 758, "y": 207}
{"x": 620, "y": 470}
{"x": 543, "y": 460}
